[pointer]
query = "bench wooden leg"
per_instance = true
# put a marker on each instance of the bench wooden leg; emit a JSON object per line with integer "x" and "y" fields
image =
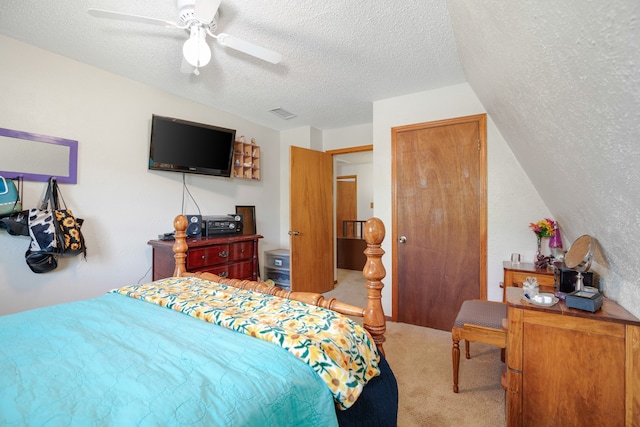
{"x": 455, "y": 355}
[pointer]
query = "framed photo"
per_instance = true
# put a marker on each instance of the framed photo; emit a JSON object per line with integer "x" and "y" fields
{"x": 248, "y": 218}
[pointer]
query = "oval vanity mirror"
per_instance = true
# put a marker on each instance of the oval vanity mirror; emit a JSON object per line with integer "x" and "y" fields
{"x": 579, "y": 257}
{"x": 580, "y": 254}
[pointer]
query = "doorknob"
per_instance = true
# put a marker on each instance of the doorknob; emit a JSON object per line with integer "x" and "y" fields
{"x": 402, "y": 239}
{"x": 294, "y": 233}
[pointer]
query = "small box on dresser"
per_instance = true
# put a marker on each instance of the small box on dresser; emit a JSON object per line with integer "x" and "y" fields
{"x": 583, "y": 300}
{"x": 276, "y": 267}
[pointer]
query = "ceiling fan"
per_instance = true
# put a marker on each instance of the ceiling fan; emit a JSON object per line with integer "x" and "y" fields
{"x": 199, "y": 18}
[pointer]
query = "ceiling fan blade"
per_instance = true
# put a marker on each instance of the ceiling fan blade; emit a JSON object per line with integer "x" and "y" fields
{"x": 100, "y": 13}
{"x": 249, "y": 48}
{"x": 205, "y": 10}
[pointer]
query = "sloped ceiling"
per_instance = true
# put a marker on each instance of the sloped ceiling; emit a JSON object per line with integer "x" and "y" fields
{"x": 561, "y": 80}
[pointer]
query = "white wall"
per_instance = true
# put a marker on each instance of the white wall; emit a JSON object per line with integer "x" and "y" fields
{"x": 350, "y": 136}
{"x": 124, "y": 205}
{"x": 512, "y": 200}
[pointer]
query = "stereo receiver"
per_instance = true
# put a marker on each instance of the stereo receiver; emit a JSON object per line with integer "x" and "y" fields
{"x": 219, "y": 225}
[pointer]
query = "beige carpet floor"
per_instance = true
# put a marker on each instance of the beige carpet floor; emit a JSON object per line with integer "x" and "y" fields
{"x": 421, "y": 361}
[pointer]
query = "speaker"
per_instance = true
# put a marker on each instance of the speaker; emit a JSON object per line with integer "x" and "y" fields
{"x": 239, "y": 222}
{"x": 195, "y": 225}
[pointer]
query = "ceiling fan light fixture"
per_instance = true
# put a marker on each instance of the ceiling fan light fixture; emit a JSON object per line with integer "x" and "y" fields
{"x": 196, "y": 51}
{"x": 200, "y": 18}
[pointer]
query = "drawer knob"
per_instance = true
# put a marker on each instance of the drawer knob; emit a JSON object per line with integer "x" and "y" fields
{"x": 223, "y": 254}
{"x": 224, "y": 274}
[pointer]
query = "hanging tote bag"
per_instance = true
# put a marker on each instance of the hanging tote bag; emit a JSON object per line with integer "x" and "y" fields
{"x": 41, "y": 255}
{"x": 10, "y": 200}
{"x": 42, "y": 227}
{"x": 70, "y": 240}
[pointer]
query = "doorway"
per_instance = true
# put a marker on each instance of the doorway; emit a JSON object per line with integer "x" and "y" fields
{"x": 346, "y": 205}
{"x": 439, "y": 219}
{"x": 311, "y": 195}
{"x": 353, "y": 176}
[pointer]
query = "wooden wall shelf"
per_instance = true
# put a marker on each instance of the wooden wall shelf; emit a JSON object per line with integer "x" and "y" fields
{"x": 246, "y": 160}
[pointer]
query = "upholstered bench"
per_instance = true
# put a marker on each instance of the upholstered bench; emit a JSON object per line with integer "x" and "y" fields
{"x": 479, "y": 321}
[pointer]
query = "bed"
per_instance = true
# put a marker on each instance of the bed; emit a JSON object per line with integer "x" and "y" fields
{"x": 198, "y": 349}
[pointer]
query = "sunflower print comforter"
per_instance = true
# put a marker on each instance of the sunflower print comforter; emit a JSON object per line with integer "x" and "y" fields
{"x": 338, "y": 349}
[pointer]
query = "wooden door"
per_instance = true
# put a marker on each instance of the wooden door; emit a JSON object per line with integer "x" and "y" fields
{"x": 346, "y": 204}
{"x": 439, "y": 219}
{"x": 311, "y": 220}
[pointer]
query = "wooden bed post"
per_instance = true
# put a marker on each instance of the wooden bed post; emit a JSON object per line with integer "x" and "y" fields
{"x": 180, "y": 246}
{"x": 374, "y": 272}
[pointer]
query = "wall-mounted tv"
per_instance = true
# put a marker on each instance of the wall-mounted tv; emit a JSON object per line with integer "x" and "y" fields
{"x": 183, "y": 146}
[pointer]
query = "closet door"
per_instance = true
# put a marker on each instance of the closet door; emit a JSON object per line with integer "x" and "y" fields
{"x": 439, "y": 219}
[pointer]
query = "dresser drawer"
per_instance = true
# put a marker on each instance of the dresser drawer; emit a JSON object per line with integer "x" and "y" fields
{"x": 240, "y": 250}
{"x": 515, "y": 275}
{"x": 520, "y": 277}
{"x": 240, "y": 270}
{"x": 209, "y": 256}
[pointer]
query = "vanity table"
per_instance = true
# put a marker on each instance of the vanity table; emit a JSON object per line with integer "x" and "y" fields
{"x": 515, "y": 274}
{"x": 571, "y": 367}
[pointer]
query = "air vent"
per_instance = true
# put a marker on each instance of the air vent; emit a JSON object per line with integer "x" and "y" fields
{"x": 283, "y": 114}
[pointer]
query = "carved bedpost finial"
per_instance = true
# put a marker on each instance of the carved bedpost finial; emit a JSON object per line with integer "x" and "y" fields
{"x": 180, "y": 245}
{"x": 374, "y": 272}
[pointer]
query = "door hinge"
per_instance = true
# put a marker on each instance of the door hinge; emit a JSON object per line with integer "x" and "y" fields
{"x": 478, "y": 145}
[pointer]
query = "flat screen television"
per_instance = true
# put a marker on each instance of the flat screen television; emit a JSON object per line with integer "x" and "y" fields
{"x": 182, "y": 146}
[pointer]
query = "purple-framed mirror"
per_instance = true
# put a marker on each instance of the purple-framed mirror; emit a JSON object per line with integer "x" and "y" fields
{"x": 37, "y": 157}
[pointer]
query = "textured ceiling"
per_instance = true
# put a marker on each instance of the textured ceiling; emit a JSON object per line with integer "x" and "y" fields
{"x": 338, "y": 56}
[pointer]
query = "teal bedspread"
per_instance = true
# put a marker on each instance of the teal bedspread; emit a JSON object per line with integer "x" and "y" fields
{"x": 118, "y": 361}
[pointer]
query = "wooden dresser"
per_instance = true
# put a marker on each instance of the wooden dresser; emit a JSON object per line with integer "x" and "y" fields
{"x": 227, "y": 256}
{"x": 515, "y": 274}
{"x": 568, "y": 367}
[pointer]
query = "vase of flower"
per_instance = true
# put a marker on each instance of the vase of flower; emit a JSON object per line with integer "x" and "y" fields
{"x": 555, "y": 244}
{"x": 543, "y": 228}
{"x": 539, "y": 251}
